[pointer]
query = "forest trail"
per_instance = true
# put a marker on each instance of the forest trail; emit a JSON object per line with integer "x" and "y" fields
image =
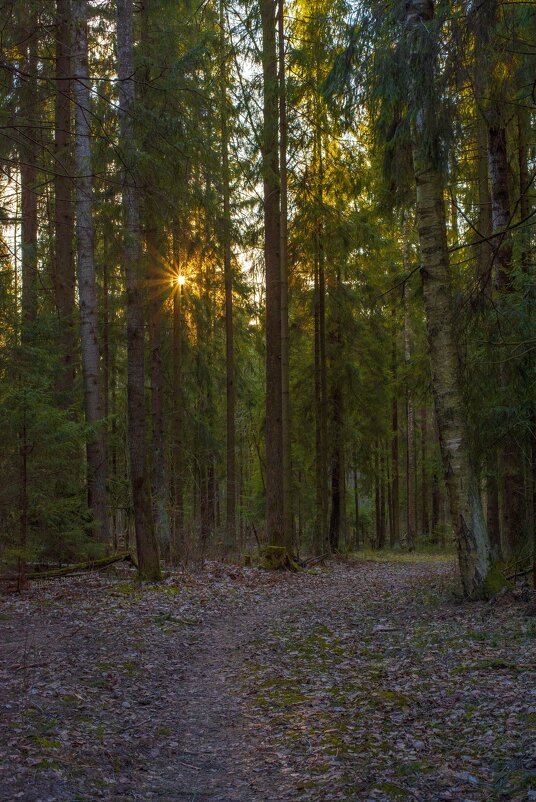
{"x": 367, "y": 681}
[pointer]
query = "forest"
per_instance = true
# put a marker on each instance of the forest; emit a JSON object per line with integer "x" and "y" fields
{"x": 267, "y": 354}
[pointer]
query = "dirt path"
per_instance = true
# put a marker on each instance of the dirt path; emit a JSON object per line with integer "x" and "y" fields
{"x": 365, "y": 682}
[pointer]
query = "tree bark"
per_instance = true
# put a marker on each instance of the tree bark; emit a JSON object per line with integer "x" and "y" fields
{"x": 525, "y": 183}
{"x": 336, "y": 522}
{"x": 320, "y": 467}
{"x": 275, "y": 523}
{"x": 485, "y": 249}
{"x": 500, "y": 204}
{"x": 29, "y": 228}
{"x": 285, "y": 386}
{"x": 492, "y": 508}
{"x": 424, "y": 471}
{"x": 230, "y": 522}
{"x": 510, "y": 456}
{"x": 356, "y": 509}
{"x": 64, "y": 280}
{"x": 29, "y": 187}
{"x": 394, "y": 531}
{"x": 379, "y": 500}
{"x": 178, "y": 539}
{"x": 436, "y": 506}
{"x": 321, "y": 388}
{"x": 462, "y": 484}
{"x": 89, "y": 335}
{"x": 484, "y": 224}
{"x": 146, "y": 542}
{"x": 159, "y": 473}
{"x": 411, "y": 501}
{"x": 154, "y": 246}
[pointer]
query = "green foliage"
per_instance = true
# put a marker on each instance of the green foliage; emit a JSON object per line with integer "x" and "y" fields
{"x": 45, "y": 441}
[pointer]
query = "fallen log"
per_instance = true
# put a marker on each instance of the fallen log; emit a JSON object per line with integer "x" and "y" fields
{"x": 520, "y": 574}
{"x": 89, "y": 565}
{"x": 311, "y": 561}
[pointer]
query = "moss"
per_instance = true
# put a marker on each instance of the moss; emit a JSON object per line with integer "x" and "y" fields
{"x": 46, "y": 764}
{"x": 163, "y": 732}
{"x": 279, "y": 693}
{"x": 394, "y": 791}
{"x": 126, "y": 589}
{"x": 404, "y": 769}
{"x": 69, "y": 699}
{"x": 321, "y": 768}
{"x": 251, "y": 665}
{"x": 496, "y": 580}
{"x": 277, "y": 558}
{"x": 45, "y": 743}
{"x": 395, "y": 698}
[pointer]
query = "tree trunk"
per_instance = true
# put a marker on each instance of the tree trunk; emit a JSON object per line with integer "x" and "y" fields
{"x": 29, "y": 187}
{"x": 89, "y": 335}
{"x": 395, "y": 500}
{"x": 287, "y": 456}
{"x": 159, "y": 480}
{"x": 321, "y": 391}
{"x": 462, "y": 484}
{"x": 176, "y": 420}
{"x": 356, "y": 509}
{"x": 320, "y": 466}
{"x": 29, "y": 227}
{"x": 510, "y": 456}
{"x": 481, "y": 76}
{"x": 485, "y": 249}
{"x": 499, "y": 172}
{"x": 380, "y": 499}
{"x": 336, "y": 527}
{"x": 155, "y": 247}
{"x": 64, "y": 280}
{"x": 411, "y": 502}
{"x": 275, "y": 523}
{"x": 533, "y": 499}
{"x": 436, "y": 506}
{"x": 492, "y": 507}
{"x": 230, "y": 522}
{"x": 377, "y": 499}
{"x": 525, "y": 183}
{"x": 424, "y": 471}
{"x": 146, "y": 542}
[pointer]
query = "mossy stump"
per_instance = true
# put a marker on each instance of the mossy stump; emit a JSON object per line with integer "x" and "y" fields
{"x": 277, "y": 558}
{"x": 497, "y": 581}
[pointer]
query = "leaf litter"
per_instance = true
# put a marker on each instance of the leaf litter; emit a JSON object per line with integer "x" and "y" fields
{"x": 365, "y": 681}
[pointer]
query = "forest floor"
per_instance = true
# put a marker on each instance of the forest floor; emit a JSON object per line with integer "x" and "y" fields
{"x": 366, "y": 680}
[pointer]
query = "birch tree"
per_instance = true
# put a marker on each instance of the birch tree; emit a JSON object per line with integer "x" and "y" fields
{"x": 460, "y": 477}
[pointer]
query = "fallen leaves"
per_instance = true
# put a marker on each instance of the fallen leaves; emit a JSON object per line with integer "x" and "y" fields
{"x": 366, "y": 681}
